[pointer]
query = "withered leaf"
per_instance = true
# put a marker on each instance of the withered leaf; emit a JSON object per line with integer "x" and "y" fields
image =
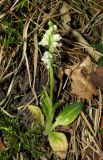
{"x": 97, "y": 77}
{"x": 3, "y": 147}
{"x": 80, "y": 85}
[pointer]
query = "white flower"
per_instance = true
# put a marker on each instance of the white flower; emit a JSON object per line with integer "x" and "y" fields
{"x": 57, "y": 37}
{"x": 45, "y": 40}
{"x": 47, "y": 57}
{"x": 55, "y": 40}
{"x": 50, "y": 38}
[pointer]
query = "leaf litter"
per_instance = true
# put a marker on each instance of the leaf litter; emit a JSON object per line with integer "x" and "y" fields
{"x": 81, "y": 85}
{"x": 80, "y": 25}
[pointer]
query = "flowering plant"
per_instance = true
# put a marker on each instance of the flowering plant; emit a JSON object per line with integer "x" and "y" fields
{"x": 51, "y": 40}
{"x": 57, "y": 140}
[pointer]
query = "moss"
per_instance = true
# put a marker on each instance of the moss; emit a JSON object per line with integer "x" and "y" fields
{"x": 26, "y": 140}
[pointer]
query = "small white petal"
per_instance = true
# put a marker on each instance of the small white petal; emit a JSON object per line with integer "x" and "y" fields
{"x": 54, "y": 44}
{"x": 55, "y": 27}
{"x": 40, "y": 43}
{"x": 44, "y": 41}
{"x": 49, "y": 32}
{"x": 57, "y": 37}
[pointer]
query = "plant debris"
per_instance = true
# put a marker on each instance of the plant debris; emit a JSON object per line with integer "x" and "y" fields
{"x": 80, "y": 85}
{"x": 96, "y": 77}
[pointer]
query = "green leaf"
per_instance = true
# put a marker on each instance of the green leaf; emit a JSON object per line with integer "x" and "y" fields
{"x": 56, "y": 104}
{"x": 49, "y": 102}
{"x": 36, "y": 111}
{"x": 46, "y": 104}
{"x": 48, "y": 111}
{"x": 59, "y": 144}
{"x": 45, "y": 107}
{"x": 68, "y": 115}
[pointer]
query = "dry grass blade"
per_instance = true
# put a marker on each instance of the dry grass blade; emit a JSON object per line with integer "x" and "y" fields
{"x": 13, "y": 6}
{"x": 87, "y": 123}
{"x": 93, "y": 136}
{"x": 2, "y": 15}
{"x": 26, "y": 26}
{"x": 5, "y": 112}
{"x": 8, "y": 64}
{"x": 92, "y": 52}
{"x": 11, "y": 9}
{"x": 74, "y": 145}
{"x": 35, "y": 55}
{"x": 13, "y": 72}
{"x": 35, "y": 63}
{"x": 89, "y": 144}
{"x": 1, "y": 53}
{"x": 2, "y": 1}
{"x": 95, "y": 147}
{"x": 25, "y": 35}
{"x": 8, "y": 92}
{"x": 23, "y": 107}
{"x": 21, "y": 156}
{"x": 98, "y": 114}
{"x": 95, "y": 54}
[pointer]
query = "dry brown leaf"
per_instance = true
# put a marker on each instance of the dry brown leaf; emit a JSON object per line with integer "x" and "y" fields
{"x": 80, "y": 85}
{"x": 3, "y": 147}
{"x": 97, "y": 77}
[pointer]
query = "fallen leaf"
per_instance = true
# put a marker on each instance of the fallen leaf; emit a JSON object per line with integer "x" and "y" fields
{"x": 80, "y": 85}
{"x": 2, "y": 145}
{"x": 96, "y": 77}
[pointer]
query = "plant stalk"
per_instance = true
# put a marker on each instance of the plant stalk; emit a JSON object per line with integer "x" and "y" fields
{"x": 51, "y": 82}
{"x": 48, "y": 125}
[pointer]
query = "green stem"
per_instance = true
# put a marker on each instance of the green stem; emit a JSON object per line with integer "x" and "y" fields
{"x": 48, "y": 125}
{"x": 51, "y": 82}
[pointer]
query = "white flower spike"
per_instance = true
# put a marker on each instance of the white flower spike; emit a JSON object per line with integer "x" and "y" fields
{"x": 50, "y": 38}
{"x": 47, "y": 58}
